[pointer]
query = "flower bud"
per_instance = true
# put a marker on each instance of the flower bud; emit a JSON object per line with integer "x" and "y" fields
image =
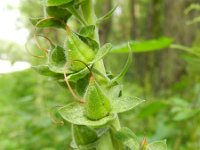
{"x": 97, "y": 103}
{"x": 77, "y": 50}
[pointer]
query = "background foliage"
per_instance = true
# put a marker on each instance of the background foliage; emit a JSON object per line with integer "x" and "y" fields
{"x": 168, "y": 79}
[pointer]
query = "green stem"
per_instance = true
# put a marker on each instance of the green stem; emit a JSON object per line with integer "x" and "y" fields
{"x": 90, "y": 17}
{"x": 107, "y": 140}
{"x": 88, "y": 11}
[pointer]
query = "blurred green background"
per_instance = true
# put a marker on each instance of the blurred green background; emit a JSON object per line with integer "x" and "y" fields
{"x": 168, "y": 79}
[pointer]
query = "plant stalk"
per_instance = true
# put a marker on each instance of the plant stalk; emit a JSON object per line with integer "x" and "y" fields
{"x": 106, "y": 141}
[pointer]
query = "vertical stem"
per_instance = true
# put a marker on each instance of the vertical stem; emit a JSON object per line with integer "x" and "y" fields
{"x": 44, "y": 8}
{"x": 106, "y": 141}
{"x": 90, "y": 17}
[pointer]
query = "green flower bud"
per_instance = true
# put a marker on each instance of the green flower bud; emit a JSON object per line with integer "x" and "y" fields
{"x": 77, "y": 50}
{"x": 97, "y": 103}
{"x": 83, "y": 135}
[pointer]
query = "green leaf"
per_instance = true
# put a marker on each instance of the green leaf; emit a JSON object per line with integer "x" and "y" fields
{"x": 90, "y": 42}
{"x": 124, "y": 70}
{"x": 78, "y": 2}
{"x": 87, "y": 31}
{"x": 78, "y": 75}
{"x": 103, "y": 75}
{"x": 50, "y": 22}
{"x": 105, "y": 49}
{"x": 144, "y": 46}
{"x": 81, "y": 85}
{"x": 74, "y": 113}
{"x": 58, "y": 2}
{"x": 90, "y": 146}
{"x": 86, "y": 35}
{"x": 34, "y": 21}
{"x": 115, "y": 91}
{"x": 58, "y": 12}
{"x": 128, "y": 138}
{"x": 57, "y": 59}
{"x": 77, "y": 50}
{"x": 157, "y": 145}
{"x": 106, "y": 16}
{"x": 44, "y": 70}
{"x": 83, "y": 135}
{"x": 123, "y": 104}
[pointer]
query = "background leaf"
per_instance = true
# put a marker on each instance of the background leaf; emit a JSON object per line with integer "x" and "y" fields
{"x": 184, "y": 114}
{"x": 144, "y": 46}
{"x": 151, "y": 108}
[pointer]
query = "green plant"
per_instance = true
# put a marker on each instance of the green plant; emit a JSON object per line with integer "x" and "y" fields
{"x": 78, "y": 65}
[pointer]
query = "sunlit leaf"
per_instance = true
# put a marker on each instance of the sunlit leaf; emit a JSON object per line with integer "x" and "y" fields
{"x": 74, "y": 113}
{"x": 144, "y": 46}
{"x": 123, "y": 104}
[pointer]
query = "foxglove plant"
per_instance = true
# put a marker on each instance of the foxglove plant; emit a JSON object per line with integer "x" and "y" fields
{"x": 79, "y": 62}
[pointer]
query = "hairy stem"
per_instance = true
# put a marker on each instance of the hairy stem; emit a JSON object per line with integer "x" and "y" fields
{"x": 106, "y": 141}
